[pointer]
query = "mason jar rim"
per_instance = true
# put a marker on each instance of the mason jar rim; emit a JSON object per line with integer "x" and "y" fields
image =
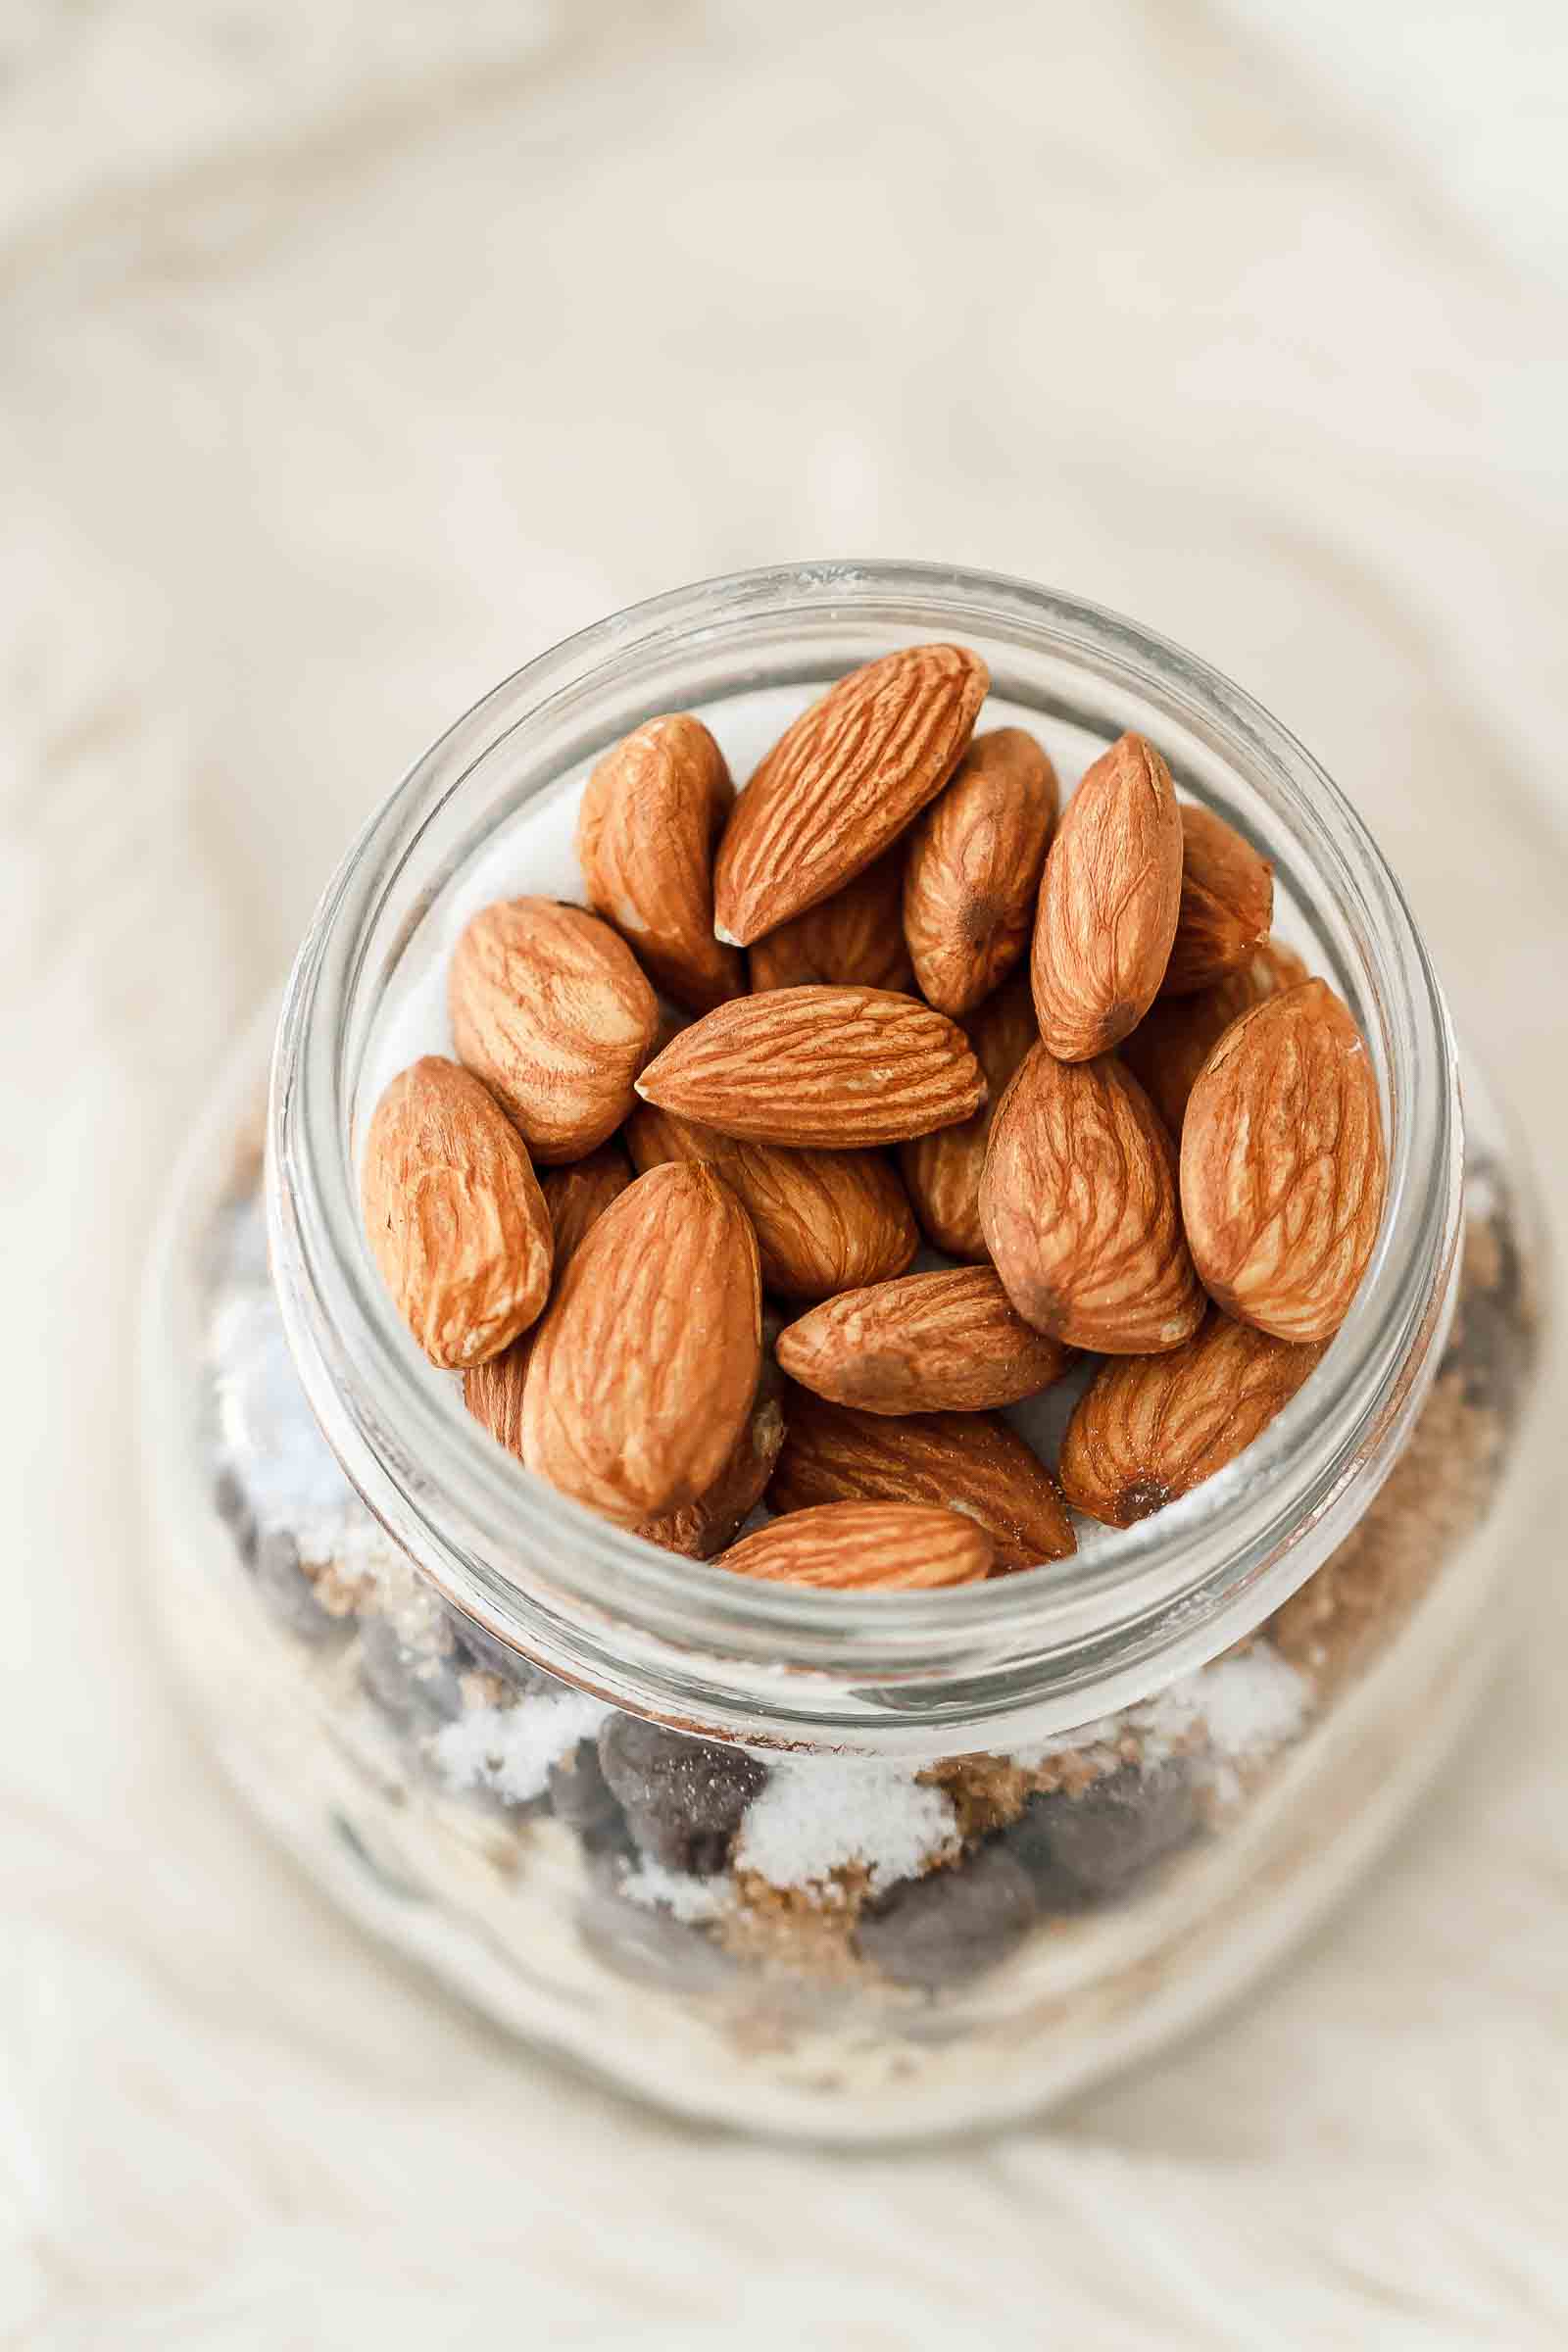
{"x": 1021, "y": 1656}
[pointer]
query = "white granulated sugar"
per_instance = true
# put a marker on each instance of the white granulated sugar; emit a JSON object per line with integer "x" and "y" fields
{"x": 1244, "y": 1707}
{"x": 267, "y": 1428}
{"x": 819, "y": 1814}
{"x": 1104, "y": 1732}
{"x": 510, "y": 1750}
{"x": 693, "y": 1901}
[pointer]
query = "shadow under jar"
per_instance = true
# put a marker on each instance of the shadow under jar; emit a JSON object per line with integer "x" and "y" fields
{"x": 841, "y": 1865}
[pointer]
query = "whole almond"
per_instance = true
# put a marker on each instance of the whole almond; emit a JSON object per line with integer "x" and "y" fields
{"x": 825, "y": 1221}
{"x": 1177, "y": 1034}
{"x": 841, "y": 784}
{"x": 1227, "y": 904}
{"x": 853, "y": 938}
{"x": 700, "y": 1529}
{"x": 967, "y": 1462}
{"x": 550, "y": 1009}
{"x": 1149, "y": 1428}
{"x": 1281, "y": 1170}
{"x": 645, "y": 1364}
{"x": 948, "y": 1343}
{"x": 1078, "y": 1205}
{"x": 453, "y": 1214}
{"x": 943, "y": 1170}
{"x": 1109, "y": 903}
{"x": 577, "y": 1196}
{"x": 830, "y": 1066}
{"x": 652, "y": 812}
{"x": 974, "y": 866}
{"x": 493, "y": 1391}
{"x": 866, "y": 1547}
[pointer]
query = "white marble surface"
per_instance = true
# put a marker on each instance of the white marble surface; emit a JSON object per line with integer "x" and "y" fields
{"x": 352, "y": 356}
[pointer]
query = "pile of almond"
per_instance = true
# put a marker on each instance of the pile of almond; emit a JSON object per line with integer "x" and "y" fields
{"x": 1160, "y": 1145}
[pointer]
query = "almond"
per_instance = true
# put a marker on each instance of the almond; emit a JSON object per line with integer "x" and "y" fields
{"x": 1282, "y": 1170}
{"x": 967, "y": 1462}
{"x": 1078, "y": 1205}
{"x": 974, "y": 866}
{"x": 703, "y": 1527}
{"x": 948, "y": 1343}
{"x": 853, "y": 938}
{"x": 645, "y": 1364}
{"x": 453, "y": 1214}
{"x": 550, "y": 1009}
{"x": 493, "y": 1391}
{"x": 652, "y": 812}
{"x": 1227, "y": 904}
{"x": 866, "y": 1547}
{"x": 1109, "y": 903}
{"x": 842, "y": 783}
{"x": 943, "y": 1170}
{"x": 825, "y": 1221}
{"x": 576, "y": 1196}
{"x": 1177, "y": 1034}
{"x": 1152, "y": 1427}
{"x": 842, "y": 1066}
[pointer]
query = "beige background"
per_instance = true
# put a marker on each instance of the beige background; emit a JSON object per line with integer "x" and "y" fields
{"x": 347, "y": 357}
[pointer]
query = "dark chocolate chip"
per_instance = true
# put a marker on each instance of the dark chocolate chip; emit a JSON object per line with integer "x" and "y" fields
{"x": 234, "y": 1509}
{"x": 288, "y": 1591}
{"x": 1118, "y": 1827}
{"x": 492, "y": 1655}
{"x": 582, "y": 1797}
{"x": 417, "y": 1685}
{"x": 651, "y": 1946}
{"x": 683, "y": 1799}
{"x": 951, "y": 1925}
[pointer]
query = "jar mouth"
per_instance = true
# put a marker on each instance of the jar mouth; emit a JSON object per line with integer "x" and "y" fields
{"x": 1040, "y": 1651}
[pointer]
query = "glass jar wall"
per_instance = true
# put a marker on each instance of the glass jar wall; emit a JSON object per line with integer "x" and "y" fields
{"x": 807, "y": 1862}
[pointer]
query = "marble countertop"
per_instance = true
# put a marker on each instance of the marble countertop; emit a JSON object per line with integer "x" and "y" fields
{"x": 353, "y": 357}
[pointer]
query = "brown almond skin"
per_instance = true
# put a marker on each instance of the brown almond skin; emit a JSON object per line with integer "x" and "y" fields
{"x": 825, "y": 1221}
{"x": 1149, "y": 1428}
{"x": 493, "y": 1391}
{"x": 549, "y": 1008}
{"x": 1109, "y": 903}
{"x": 453, "y": 1214}
{"x": 647, "y": 1360}
{"x": 946, "y": 1343}
{"x": 842, "y": 783}
{"x": 650, "y": 814}
{"x": 853, "y": 940}
{"x": 698, "y": 1529}
{"x": 1177, "y": 1034}
{"x": 832, "y": 1067}
{"x": 943, "y": 1171}
{"x": 577, "y": 1196}
{"x": 1227, "y": 904}
{"x": 975, "y": 865}
{"x": 969, "y": 1462}
{"x": 866, "y": 1547}
{"x": 1281, "y": 1170}
{"x": 1078, "y": 1204}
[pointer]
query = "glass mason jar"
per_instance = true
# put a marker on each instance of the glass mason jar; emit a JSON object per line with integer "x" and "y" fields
{"x": 851, "y": 1866}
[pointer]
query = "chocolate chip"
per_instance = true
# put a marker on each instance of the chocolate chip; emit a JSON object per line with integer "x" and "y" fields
{"x": 492, "y": 1655}
{"x": 583, "y": 1798}
{"x": 683, "y": 1799}
{"x": 288, "y": 1591}
{"x": 651, "y": 1946}
{"x": 1118, "y": 1827}
{"x": 417, "y": 1685}
{"x": 947, "y": 1927}
{"x": 234, "y": 1509}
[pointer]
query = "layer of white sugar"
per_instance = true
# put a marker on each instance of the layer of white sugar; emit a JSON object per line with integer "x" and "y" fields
{"x": 694, "y": 1901}
{"x": 819, "y": 1814}
{"x": 1240, "y": 1709}
{"x": 509, "y": 1750}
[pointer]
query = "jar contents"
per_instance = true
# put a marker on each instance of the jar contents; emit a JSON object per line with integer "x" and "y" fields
{"x": 803, "y": 1927}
